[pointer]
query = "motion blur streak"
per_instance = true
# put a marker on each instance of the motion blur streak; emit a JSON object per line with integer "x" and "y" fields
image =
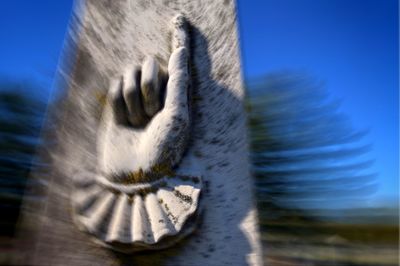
{"x": 21, "y": 117}
{"x": 312, "y": 170}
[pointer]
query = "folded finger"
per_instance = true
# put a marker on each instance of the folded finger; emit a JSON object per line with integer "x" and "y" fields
{"x": 151, "y": 82}
{"x": 132, "y": 95}
{"x": 116, "y": 101}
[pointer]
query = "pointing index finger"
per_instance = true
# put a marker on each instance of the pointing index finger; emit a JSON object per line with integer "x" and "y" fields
{"x": 180, "y": 36}
{"x": 178, "y": 65}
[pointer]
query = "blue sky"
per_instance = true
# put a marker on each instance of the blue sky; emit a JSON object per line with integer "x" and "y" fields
{"x": 352, "y": 45}
{"x": 32, "y": 34}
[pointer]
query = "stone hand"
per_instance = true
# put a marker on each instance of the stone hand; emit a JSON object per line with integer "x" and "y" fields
{"x": 145, "y": 122}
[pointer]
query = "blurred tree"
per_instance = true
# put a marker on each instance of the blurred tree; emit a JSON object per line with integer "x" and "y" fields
{"x": 306, "y": 154}
{"x": 21, "y": 117}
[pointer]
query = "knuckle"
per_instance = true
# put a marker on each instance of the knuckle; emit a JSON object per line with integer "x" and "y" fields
{"x": 115, "y": 95}
{"x": 130, "y": 90}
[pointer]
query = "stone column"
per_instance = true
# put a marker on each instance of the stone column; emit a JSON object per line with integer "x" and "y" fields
{"x": 106, "y": 36}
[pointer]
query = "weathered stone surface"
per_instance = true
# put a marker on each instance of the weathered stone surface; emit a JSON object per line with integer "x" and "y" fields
{"x": 109, "y": 36}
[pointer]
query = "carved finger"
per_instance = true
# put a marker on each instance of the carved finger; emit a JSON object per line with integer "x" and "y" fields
{"x": 116, "y": 101}
{"x": 178, "y": 67}
{"x": 151, "y": 86}
{"x": 171, "y": 125}
{"x": 132, "y": 95}
{"x": 180, "y": 36}
{"x": 178, "y": 81}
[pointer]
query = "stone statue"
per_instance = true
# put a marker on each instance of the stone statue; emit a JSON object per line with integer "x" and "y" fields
{"x": 183, "y": 141}
{"x": 136, "y": 200}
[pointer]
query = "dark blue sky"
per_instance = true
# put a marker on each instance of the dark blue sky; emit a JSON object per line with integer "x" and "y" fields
{"x": 352, "y": 45}
{"x": 32, "y": 34}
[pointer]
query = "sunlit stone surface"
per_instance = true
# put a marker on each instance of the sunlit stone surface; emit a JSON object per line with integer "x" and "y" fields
{"x": 111, "y": 35}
